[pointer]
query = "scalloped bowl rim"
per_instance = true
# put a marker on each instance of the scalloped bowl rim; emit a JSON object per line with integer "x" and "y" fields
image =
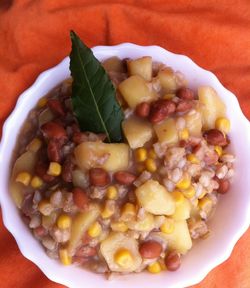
{"x": 62, "y": 274}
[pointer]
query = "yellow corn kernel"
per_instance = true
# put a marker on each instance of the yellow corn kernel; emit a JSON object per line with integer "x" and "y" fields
{"x": 128, "y": 211}
{"x": 141, "y": 154}
{"x": 95, "y": 230}
{"x": 222, "y": 124}
{"x": 184, "y": 183}
{"x": 204, "y": 192}
{"x": 36, "y": 182}
{"x": 154, "y": 268}
{"x": 119, "y": 226}
{"x": 189, "y": 192}
{"x": 150, "y": 165}
{"x": 168, "y": 226}
{"x": 168, "y": 96}
{"x": 218, "y": 149}
{"x": 195, "y": 202}
{"x": 206, "y": 204}
{"x": 112, "y": 192}
{"x": 152, "y": 154}
{"x": 193, "y": 159}
{"x": 34, "y": 145}
{"x": 64, "y": 221}
{"x": 123, "y": 258}
{"x": 178, "y": 197}
{"x": 184, "y": 134}
{"x": 42, "y": 102}
{"x": 45, "y": 207}
{"x": 64, "y": 257}
{"x": 24, "y": 178}
{"x": 55, "y": 169}
{"x": 107, "y": 212}
{"x": 140, "y": 167}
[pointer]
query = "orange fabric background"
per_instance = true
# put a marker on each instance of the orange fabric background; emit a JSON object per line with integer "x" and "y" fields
{"x": 34, "y": 35}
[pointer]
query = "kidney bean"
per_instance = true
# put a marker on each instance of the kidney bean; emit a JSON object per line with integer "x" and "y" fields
{"x": 142, "y": 110}
{"x": 150, "y": 249}
{"x": 215, "y": 137}
{"x": 80, "y": 198}
{"x": 56, "y": 107}
{"x": 173, "y": 261}
{"x": 52, "y": 130}
{"x": 211, "y": 157}
{"x": 41, "y": 169}
{"x": 124, "y": 177}
{"x": 185, "y": 94}
{"x": 161, "y": 109}
{"x": 86, "y": 251}
{"x": 224, "y": 186}
{"x": 67, "y": 169}
{"x": 54, "y": 151}
{"x": 184, "y": 106}
{"x": 98, "y": 177}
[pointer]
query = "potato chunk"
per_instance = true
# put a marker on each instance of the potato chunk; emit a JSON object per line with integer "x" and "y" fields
{"x": 137, "y": 131}
{"x": 194, "y": 123}
{"x": 111, "y": 157}
{"x": 155, "y": 199}
{"x": 180, "y": 239}
{"x": 166, "y": 131}
{"x": 168, "y": 80}
{"x": 135, "y": 90}
{"x": 115, "y": 242}
{"x": 146, "y": 224}
{"x": 182, "y": 211}
{"x": 212, "y": 106}
{"x": 141, "y": 66}
{"x": 80, "y": 224}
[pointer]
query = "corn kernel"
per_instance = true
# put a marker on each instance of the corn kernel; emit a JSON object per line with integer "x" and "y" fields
{"x": 95, "y": 230}
{"x": 193, "y": 159}
{"x": 206, "y": 204}
{"x": 218, "y": 149}
{"x": 107, "y": 212}
{"x": 184, "y": 183}
{"x": 222, "y": 124}
{"x": 123, "y": 258}
{"x": 64, "y": 257}
{"x": 195, "y": 202}
{"x": 34, "y": 145}
{"x": 45, "y": 207}
{"x": 55, "y": 169}
{"x": 150, "y": 165}
{"x": 128, "y": 211}
{"x": 64, "y": 221}
{"x": 119, "y": 226}
{"x": 152, "y": 154}
{"x": 112, "y": 192}
{"x": 24, "y": 178}
{"x": 184, "y": 134}
{"x": 189, "y": 192}
{"x": 168, "y": 226}
{"x": 154, "y": 268}
{"x": 36, "y": 182}
{"x": 204, "y": 192}
{"x": 169, "y": 96}
{"x": 178, "y": 197}
{"x": 141, "y": 154}
{"x": 42, "y": 102}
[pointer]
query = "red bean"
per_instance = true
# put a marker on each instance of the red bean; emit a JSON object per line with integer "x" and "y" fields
{"x": 56, "y": 107}
{"x": 184, "y": 106}
{"x": 124, "y": 177}
{"x": 142, "y": 110}
{"x": 173, "y": 261}
{"x": 215, "y": 137}
{"x": 54, "y": 151}
{"x": 161, "y": 109}
{"x": 67, "y": 170}
{"x": 52, "y": 130}
{"x": 80, "y": 198}
{"x": 224, "y": 186}
{"x": 150, "y": 249}
{"x": 98, "y": 177}
{"x": 185, "y": 93}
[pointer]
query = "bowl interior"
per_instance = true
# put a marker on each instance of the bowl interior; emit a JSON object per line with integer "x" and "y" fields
{"x": 231, "y": 218}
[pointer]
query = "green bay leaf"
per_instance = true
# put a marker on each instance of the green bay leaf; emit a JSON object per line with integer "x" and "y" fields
{"x": 93, "y": 94}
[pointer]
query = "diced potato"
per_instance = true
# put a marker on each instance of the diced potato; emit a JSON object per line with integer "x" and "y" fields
{"x": 180, "y": 239}
{"x": 45, "y": 116}
{"x": 155, "y": 199}
{"x": 212, "y": 106}
{"x": 111, "y": 157}
{"x": 115, "y": 242}
{"x": 137, "y": 131}
{"x": 182, "y": 210}
{"x": 141, "y": 67}
{"x": 80, "y": 224}
{"x": 168, "y": 80}
{"x": 167, "y": 132}
{"x": 147, "y": 224}
{"x": 114, "y": 64}
{"x": 135, "y": 90}
{"x": 194, "y": 123}
{"x": 25, "y": 163}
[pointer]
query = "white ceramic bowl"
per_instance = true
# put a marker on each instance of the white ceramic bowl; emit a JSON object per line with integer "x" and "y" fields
{"x": 230, "y": 221}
